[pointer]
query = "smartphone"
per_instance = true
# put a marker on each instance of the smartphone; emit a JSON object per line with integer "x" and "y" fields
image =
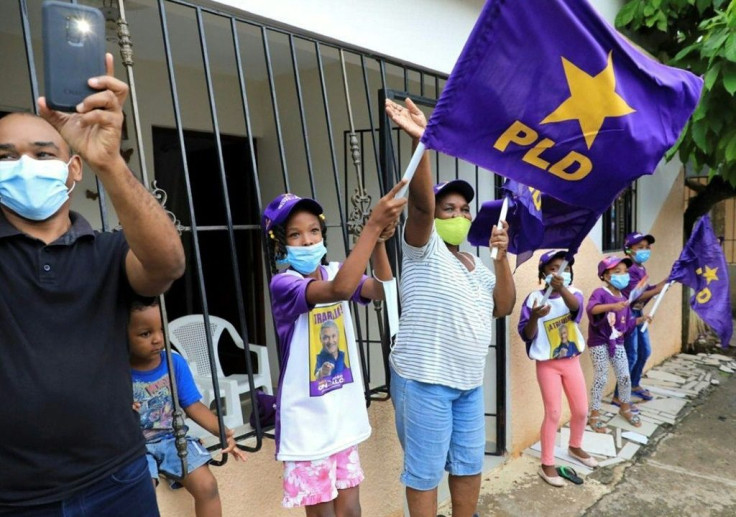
{"x": 73, "y": 50}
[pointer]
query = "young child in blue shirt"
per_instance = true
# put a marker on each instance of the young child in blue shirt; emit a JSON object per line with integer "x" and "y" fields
{"x": 152, "y": 399}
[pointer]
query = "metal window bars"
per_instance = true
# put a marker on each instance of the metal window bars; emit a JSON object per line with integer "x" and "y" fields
{"x": 323, "y": 75}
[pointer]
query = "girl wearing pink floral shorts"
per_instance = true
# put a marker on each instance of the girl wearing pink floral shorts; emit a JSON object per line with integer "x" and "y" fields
{"x": 321, "y": 413}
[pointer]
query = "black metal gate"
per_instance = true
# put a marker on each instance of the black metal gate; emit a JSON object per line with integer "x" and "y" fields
{"x": 230, "y": 111}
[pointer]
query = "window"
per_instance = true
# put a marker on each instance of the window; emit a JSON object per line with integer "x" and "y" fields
{"x": 619, "y": 220}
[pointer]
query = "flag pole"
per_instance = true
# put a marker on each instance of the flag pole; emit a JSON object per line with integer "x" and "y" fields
{"x": 501, "y": 218}
{"x": 656, "y": 305}
{"x": 563, "y": 266}
{"x": 411, "y": 168}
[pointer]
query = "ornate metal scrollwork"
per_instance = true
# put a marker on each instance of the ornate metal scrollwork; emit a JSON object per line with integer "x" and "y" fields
{"x": 161, "y": 196}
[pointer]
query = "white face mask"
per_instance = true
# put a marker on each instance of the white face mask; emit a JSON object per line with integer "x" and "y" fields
{"x": 34, "y": 189}
{"x": 566, "y": 278}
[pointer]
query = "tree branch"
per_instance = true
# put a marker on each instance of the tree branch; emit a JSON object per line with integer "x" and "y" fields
{"x": 708, "y": 195}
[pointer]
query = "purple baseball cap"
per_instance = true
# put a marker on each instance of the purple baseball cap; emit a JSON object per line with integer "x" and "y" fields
{"x": 278, "y": 210}
{"x": 611, "y": 261}
{"x": 460, "y": 186}
{"x": 636, "y": 237}
{"x": 548, "y": 257}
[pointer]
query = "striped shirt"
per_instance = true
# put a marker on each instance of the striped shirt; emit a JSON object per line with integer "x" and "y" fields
{"x": 447, "y": 317}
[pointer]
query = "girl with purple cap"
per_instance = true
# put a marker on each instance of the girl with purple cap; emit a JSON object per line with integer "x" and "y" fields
{"x": 554, "y": 340}
{"x": 637, "y": 246}
{"x": 449, "y": 300}
{"x": 610, "y": 319}
{"x": 321, "y": 413}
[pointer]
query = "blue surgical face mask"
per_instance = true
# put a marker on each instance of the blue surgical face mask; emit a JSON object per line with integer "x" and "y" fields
{"x": 34, "y": 189}
{"x": 566, "y": 278}
{"x": 305, "y": 259}
{"x": 619, "y": 281}
{"x": 641, "y": 256}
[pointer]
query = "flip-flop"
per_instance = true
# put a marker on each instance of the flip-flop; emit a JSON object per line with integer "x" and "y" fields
{"x": 570, "y": 474}
{"x": 642, "y": 393}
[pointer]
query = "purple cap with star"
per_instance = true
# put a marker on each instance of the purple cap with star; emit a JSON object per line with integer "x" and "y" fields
{"x": 278, "y": 210}
{"x": 548, "y": 257}
{"x": 611, "y": 262}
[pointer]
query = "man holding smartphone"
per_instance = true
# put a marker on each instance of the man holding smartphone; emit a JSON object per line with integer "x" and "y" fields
{"x": 70, "y": 442}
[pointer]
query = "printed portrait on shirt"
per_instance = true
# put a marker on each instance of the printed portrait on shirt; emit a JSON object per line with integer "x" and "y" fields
{"x": 156, "y": 412}
{"x": 561, "y": 335}
{"x": 329, "y": 361}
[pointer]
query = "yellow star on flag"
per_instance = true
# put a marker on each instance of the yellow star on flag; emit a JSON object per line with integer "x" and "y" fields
{"x": 710, "y": 274}
{"x": 592, "y": 100}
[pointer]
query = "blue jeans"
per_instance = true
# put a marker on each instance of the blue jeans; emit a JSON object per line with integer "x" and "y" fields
{"x": 440, "y": 428}
{"x": 128, "y": 492}
{"x": 163, "y": 457}
{"x": 638, "y": 349}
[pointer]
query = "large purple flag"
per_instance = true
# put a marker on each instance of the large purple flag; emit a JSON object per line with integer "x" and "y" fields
{"x": 536, "y": 221}
{"x": 545, "y": 92}
{"x": 702, "y": 267}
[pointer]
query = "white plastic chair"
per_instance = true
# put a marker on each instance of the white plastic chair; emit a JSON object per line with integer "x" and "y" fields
{"x": 187, "y": 334}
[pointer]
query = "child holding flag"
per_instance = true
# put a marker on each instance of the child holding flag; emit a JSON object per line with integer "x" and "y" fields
{"x": 610, "y": 319}
{"x": 321, "y": 413}
{"x": 542, "y": 328}
{"x": 637, "y": 247}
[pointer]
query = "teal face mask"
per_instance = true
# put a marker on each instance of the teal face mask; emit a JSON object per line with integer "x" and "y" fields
{"x": 620, "y": 281}
{"x": 305, "y": 259}
{"x": 642, "y": 256}
{"x": 454, "y": 230}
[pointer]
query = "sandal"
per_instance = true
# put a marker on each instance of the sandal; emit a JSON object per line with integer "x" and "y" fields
{"x": 630, "y": 417}
{"x": 595, "y": 423}
{"x": 570, "y": 474}
{"x": 642, "y": 393}
{"x": 617, "y": 402}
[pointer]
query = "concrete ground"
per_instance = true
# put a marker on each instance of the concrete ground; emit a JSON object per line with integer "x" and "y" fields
{"x": 687, "y": 469}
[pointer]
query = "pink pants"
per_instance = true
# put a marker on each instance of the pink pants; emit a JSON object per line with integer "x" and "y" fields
{"x": 553, "y": 376}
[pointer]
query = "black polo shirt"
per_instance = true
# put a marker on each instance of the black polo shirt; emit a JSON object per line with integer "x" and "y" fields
{"x": 66, "y": 416}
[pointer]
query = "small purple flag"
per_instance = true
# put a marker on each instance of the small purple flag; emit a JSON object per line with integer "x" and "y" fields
{"x": 545, "y": 92}
{"x": 536, "y": 221}
{"x": 702, "y": 267}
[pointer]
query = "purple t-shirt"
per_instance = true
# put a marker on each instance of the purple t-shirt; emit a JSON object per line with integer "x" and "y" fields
{"x": 636, "y": 273}
{"x": 608, "y": 328}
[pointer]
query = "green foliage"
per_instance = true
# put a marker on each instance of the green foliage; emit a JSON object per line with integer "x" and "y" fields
{"x": 699, "y": 35}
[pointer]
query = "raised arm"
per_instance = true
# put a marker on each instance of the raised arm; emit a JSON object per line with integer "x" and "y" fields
{"x": 504, "y": 294}
{"x": 346, "y": 281}
{"x": 156, "y": 256}
{"x": 373, "y": 287}
{"x": 419, "y": 224}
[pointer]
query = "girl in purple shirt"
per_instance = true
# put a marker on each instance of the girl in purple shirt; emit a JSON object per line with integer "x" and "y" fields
{"x": 320, "y": 413}
{"x": 610, "y": 319}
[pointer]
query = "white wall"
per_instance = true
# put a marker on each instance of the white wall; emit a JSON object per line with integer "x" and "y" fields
{"x": 429, "y": 33}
